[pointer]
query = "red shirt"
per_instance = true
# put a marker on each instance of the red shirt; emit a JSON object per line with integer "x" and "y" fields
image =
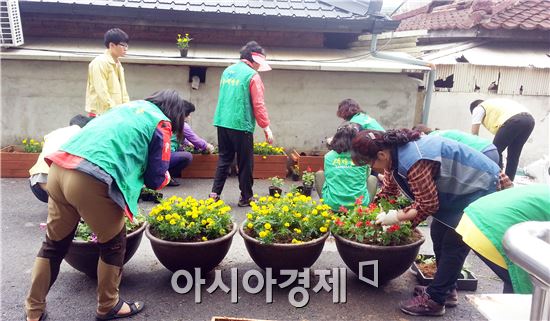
{"x": 257, "y": 96}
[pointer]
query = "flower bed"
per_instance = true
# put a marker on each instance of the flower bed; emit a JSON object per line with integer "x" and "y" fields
{"x": 305, "y": 161}
{"x": 15, "y": 162}
{"x": 269, "y": 161}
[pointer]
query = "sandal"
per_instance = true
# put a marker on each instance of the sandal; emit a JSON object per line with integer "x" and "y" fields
{"x": 43, "y": 317}
{"x": 135, "y": 308}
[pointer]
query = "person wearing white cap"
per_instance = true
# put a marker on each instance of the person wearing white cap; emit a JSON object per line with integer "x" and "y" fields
{"x": 240, "y": 106}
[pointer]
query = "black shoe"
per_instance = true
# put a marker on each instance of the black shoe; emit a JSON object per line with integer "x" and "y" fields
{"x": 214, "y": 196}
{"x": 173, "y": 182}
{"x": 244, "y": 203}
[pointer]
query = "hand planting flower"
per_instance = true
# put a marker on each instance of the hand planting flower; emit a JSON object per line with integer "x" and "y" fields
{"x": 389, "y": 218}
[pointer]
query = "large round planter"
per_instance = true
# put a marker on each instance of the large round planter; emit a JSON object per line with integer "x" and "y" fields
{"x": 190, "y": 255}
{"x": 283, "y": 256}
{"x": 84, "y": 256}
{"x": 392, "y": 260}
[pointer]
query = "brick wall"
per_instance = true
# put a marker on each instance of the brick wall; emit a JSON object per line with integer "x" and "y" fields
{"x": 74, "y": 26}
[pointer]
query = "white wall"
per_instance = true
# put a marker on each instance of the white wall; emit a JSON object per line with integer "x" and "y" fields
{"x": 452, "y": 111}
{"x": 39, "y": 96}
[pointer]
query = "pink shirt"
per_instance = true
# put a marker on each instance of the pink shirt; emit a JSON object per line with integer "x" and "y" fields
{"x": 257, "y": 95}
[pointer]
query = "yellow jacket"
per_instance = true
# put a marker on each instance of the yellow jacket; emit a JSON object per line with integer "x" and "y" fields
{"x": 498, "y": 111}
{"x": 106, "y": 84}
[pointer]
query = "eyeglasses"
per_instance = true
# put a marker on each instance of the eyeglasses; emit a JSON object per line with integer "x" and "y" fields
{"x": 123, "y": 44}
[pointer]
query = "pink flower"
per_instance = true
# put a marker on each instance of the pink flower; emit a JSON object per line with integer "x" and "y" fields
{"x": 359, "y": 200}
{"x": 43, "y": 226}
{"x": 342, "y": 209}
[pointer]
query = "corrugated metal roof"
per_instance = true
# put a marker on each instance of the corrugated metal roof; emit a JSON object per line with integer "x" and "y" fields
{"x": 340, "y": 9}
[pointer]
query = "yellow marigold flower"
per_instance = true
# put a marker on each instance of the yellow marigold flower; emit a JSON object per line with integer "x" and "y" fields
{"x": 305, "y": 219}
{"x": 24, "y": 141}
{"x": 32, "y": 141}
{"x": 195, "y": 215}
{"x": 287, "y": 224}
{"x": 160, "y": 218}
{"x": 314, "y": 212}
{"x": 168, "y": 217}
{"x": 204, "y": 238}
{"x": 203, "y": 222}
{"x": 295, "y": 241}
{"x": 263, "y": 234}
{"x": 172, "y": 222}
{"x": 297, "y": 230}
{"x": 250, "y": 225}
{"x": 191, "y": 224}
{"x": 323, "y": 229}
{"x": 255, "y": 195}
{"x": 267, "y": 226}
{"x": 297, "y": 215}
{"x": 277, "y": 195}
{"x": 249, "y": 216}
{"x": 285, "y": 208}
{"x": 182, "y": 224}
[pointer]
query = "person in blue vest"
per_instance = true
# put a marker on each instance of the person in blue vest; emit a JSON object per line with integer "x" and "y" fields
{"x": 349, "y": 110}
{"x": 442, "y": 177}
{"x": 240, "y": 106}
{"x": 97, "y": 176}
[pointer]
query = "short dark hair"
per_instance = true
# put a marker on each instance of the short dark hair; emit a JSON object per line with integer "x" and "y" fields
{"x": 249, "y": 48}
{"x": 115, "y": 36}
{"x": 79, "y": 120}
{"x": 422, "y": 128}
{"x": 367, "y": 143}
{"x": 474, "y": 105}
{"x": 174, "y": 107}
{"x": 348, "y": 108}
{"x": 341, "y": 142}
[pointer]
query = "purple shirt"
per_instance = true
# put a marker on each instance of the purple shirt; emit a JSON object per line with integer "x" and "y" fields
{"x": 191, "y": 137}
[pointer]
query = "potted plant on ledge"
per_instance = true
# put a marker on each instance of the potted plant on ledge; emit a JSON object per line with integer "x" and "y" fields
{"x": 286, "y": 232}
{"x": 359, "y": 238}
{"x": 190, "y": 233}
{"x": 183, "y": 44}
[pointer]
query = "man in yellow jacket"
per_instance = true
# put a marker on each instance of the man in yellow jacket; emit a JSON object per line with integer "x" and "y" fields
{"x": 509, "y": 121}
{"x": 106, "y": 85}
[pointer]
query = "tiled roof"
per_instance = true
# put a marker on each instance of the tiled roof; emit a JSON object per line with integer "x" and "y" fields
{"x": 329, "y": 9}
{"x": 489, "y": 14}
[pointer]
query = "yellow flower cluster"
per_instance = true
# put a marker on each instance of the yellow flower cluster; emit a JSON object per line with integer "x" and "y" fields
{"x": 189, "y": 219}
{"x": 293, "y": 218}
{"x": 267, "y": 149}
{"x": 183, "y": 42}
{"x": 32, "y": 146}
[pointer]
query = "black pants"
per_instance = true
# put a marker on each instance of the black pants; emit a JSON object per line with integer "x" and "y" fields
{"x": 450, "y": 254}
{"x": 231, "y": 142}
{"x": 502, "y": 273}
{"x": 512, "y": 135}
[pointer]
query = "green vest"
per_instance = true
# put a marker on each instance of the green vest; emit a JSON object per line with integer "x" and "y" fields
{"x": 495, "y": 213}
{"x": 470, "y": 140}
{"x": 234, "y": 109}
{"x": 366, "y": 122}
{"x": 174, "y": 143}
{"x": 344, "y": 182}
{"x": 118, "y": 142}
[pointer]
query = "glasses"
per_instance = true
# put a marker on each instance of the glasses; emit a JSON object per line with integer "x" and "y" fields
{"x": 123, "y": 44}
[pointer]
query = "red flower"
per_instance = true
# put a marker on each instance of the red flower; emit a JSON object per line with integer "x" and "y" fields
{"x": 360, "y": 210}
{"x": 392, "y": 201}
{"x": 393, "y": 228}
{"x": 372, "y": 206}
{"x": 368, "y": 223}
{"x": 308, "y": 169}
{"x": 338, "y": 222}
{"x": 342, "y": 209}
{"x": 359, "y": 200}
{"x": 358, "y": 224}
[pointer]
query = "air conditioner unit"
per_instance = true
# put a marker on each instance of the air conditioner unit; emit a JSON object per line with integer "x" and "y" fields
{"x": 10, "y": 24}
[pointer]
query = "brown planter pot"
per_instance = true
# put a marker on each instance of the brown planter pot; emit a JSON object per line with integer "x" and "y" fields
{"x": 315, "y": 163}
{"x": 190, "y": 255}
{"x": 15, "y": 163}
{"x": 270, "y": 166}
{"x": 283, "y": 256}
{"x": 202, "y": 166}
{"x": 84, "y": 256}
{"x": 392, "y": 260}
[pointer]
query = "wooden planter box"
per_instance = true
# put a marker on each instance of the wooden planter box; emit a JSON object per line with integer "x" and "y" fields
{"x": 269, "y": 166}
{"x": 15, "y": 163}
{"x": 202, "y": 166}
{"x": 315, "y": 163}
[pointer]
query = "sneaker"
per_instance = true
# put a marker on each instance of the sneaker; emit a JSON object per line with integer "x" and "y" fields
{"x": 244, "y": 203}
{"x": 173, "y": 182}
{"x": 214, "y": 196}
{"x": 451, "y": 300}
{"x": 422, "y": 305}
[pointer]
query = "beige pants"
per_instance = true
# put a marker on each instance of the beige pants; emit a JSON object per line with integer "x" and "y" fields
{"x": 74, "y": 195}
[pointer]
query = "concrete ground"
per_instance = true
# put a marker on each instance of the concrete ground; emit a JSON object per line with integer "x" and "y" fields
{"x": 73, "y": 295}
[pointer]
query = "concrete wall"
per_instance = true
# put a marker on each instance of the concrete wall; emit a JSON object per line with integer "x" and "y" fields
{"x": 39, "y": 96}
{"x": 452, "y": 111}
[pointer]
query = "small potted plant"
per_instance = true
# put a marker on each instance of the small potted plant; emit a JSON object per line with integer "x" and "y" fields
{"x": 286, "y": 232}
{"x": 424, "y": 267}
{"x": 358, "y": 238}
{"x": 150, "y": 195}
{"x": 295, "y": 172}
{"x": 190, "y": 233}
{"x": 83, "y": 254}
{"x": 276, "y": 186}
{"x": 183, "y": 44}
{"x": 308, "y": 178}
{"x": 16, "y": 160}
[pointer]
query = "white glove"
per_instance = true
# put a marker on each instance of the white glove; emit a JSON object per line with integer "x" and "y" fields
{"x": 389, "y": 218}
{"x": 268, "y": 135}
{"x": 329, "y": 140}
{"x": 210, "y": 148}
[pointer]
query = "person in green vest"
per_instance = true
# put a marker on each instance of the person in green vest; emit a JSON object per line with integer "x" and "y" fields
{"x": 342, "y": 181}
{"x": 485, "y": 221}
{"x": 480, "y": 144}
{"x": 97, "y": 176}
{"x": 240, "y": 106}
{"x": 349, "y": 110}
{"x": 510, "y": 122}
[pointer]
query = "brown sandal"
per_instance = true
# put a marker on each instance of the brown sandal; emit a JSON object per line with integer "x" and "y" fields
{"x": 135, "y": 308}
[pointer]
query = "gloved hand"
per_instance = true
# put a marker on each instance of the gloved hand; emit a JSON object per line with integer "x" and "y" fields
{"x": 210, "y": 148}
{"x": 268, "y": 135}
{"x": 389, "y": 218}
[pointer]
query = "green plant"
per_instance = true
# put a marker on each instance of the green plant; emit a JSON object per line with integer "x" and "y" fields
{"x": 308, "y": 177}
{"x": 358, "y": 223}
{"x": 32, "y": 146}
{"x": 84, "y": 232}
{"x": 190, "y": 220}
{"x": 265, "y": 149}
{"x": 277, "y": 182}
{"x": 183, "y": 42}
{"x": 292, "y": 218}
{"x": 193, "y": 150}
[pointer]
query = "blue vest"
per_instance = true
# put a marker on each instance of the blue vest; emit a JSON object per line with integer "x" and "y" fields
{"x": 464, "y": 174}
